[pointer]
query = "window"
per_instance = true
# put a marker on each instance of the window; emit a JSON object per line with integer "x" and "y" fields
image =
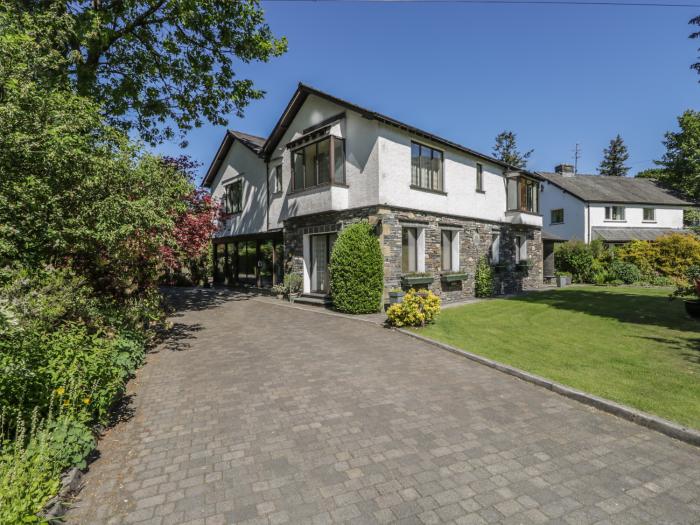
{"x": 649, "y": 214}
{"x": 278, "y": 178}
{"x": 234, "y": 197}
{"x": 557, "y": 216}
{"x": 426, "y": 167}
{"x": 479, "y": 177}
{"x": 409, "y": 249}
{"x": 495, "y": 250}
{"x": 520, "y": 248}
{"x": 449, "y": 250}
{"x": 523, "y": 194}
{"x": 319, "y": 163}
{"x": 614, "y": 213}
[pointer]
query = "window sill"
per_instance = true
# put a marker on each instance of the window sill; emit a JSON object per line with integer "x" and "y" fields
{"x": 524, "y": 211}
{"x": 481, "y": 191}
{"x": 428, "y": 190}
{"x": 615, "y": 220}
{"x": 649, "y": 222}
{"x": 555, "y": 223}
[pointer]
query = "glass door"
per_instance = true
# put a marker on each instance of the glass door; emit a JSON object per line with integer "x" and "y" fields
{"x": 321, "y": 247}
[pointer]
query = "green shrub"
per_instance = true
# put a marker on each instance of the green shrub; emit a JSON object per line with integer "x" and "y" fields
{"x": 357, "y": 270}
{"x": 483, "y": 279}
{"x": 293, "y": 283}
{"x": 576, "y": 258}
{"x": 626, "y": 272}
{"x": 670, "y": 255}
{"x": 416, "y": 309}
{"x": 69, "y": 441}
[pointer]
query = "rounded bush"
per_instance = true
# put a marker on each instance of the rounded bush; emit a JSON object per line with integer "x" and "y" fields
{"x": 416, "y": 309}
{"x": 357, "y": 270}
{"x": 626, "y": 272}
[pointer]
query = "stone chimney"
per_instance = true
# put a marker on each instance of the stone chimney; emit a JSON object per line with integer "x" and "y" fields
{"x": 565, "y": 170}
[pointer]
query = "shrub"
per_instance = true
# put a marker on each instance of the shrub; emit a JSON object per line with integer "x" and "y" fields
{"x": 670, "y": 255}
{"x": 690, "y": 285}
{"x": 623, "y": 271}
{"x": 576, "y": 258}
{"x": 292, "y": 283}
{"x": 417, "y": 309}
{"x": 483, "y": 279}
{"x": 357, "y": 270}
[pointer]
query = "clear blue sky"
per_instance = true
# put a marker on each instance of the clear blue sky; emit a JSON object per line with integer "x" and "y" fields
{"x": 556, "y": 75}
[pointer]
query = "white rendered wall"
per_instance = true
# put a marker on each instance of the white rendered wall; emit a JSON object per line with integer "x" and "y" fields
{"x": 666, "y": 217}
{"x": 574, "y": 227}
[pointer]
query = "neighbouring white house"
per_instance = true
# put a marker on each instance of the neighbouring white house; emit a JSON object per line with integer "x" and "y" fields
{"x": 437, "y": 206}
{"x": 613, "y": 209}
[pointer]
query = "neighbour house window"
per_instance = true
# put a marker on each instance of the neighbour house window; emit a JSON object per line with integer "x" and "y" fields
{"x": 409, "y": 249}
{"x": 557, "y": 216}
{"x": 449, "y": 254}
{"x": 233, "y": 202}
{"x": 523, "y": 194}
{"x": 520, "y": 248}
{"x": 319, "y": 163}
{"x": 495, "y": 250}
{"x": 614, "y": 213}
{"x": 649, "y": 214}
{"x": 426, "y": 167}
{"x": 479, "y": 177}
{"x": 278, "y": 178}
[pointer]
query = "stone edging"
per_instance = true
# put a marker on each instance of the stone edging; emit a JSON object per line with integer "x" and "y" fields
{"x": 55, "y": 508}
{"x": 635, "y": 416}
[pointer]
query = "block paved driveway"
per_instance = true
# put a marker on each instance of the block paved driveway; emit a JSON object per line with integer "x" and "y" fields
{"x": 259, "y": 413}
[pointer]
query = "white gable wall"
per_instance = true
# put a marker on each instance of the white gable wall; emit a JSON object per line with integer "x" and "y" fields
{"x": 575, "y": 216}
{"x": 241, "y": 163}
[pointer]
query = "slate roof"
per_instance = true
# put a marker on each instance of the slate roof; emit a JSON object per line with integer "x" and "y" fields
{"x": 252, "y": 142}
{"x": 623, "y": 190}
{"x": 631, "y": 234}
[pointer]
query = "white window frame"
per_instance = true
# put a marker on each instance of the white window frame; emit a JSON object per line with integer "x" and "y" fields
{"x": 520, "y": 248}
{"x": 609, "y": 214}
{"x": 653, "y": 214}
{"x": 420, "y": 247}
{"x": 454, "y": 249}
{"x": 495, "y": 248}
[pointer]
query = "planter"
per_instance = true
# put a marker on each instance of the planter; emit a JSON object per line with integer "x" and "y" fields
{"x": 396, "y": 297}
{"x": 563, "y": 280}
{"x": 292, "y": 297}
{"x": 411, "y": 281}
{"x": 280, "y": 296}
{"x": 692, "y": 308}
{"x": 454, "y": 277}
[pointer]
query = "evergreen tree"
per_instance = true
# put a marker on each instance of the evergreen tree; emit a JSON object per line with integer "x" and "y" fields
{"x": 681, "y": 162}
{"x": 506, "y": 149}
{"x": 614, "y": 158}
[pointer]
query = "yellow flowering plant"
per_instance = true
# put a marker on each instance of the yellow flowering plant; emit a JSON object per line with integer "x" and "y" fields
{"x": 418, "y": 308}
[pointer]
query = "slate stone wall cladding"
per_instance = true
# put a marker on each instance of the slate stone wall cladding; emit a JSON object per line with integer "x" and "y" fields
{"x": 475, "y": 237}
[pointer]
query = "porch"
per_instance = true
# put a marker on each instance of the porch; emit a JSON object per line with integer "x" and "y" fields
{"x": 249, "y": 260}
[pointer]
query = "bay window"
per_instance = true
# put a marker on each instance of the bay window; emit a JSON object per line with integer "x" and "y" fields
{"x": 318, "y": 163}
{"x": 523, "y": 194}
{"x": 426, "y": 167}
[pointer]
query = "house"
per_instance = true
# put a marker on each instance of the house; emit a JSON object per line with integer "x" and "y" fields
{"x": 613, "y": 209}
{"x": 437, "y": 206}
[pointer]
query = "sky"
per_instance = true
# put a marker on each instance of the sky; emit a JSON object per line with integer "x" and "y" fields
{"x": 555, "y": 75}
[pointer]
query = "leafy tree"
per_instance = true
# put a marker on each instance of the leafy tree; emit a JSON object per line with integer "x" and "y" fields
{"x": 651, "y": 173}
{"x": 155, "y": 64}
{"x": 614, "y": 158}
{"x": 681, "y": 162}
{"x": 506, "y": 149}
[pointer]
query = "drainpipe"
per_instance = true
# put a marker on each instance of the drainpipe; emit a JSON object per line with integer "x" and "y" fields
{"x": 588, "y": 212}
{"x": 267, "y": 195}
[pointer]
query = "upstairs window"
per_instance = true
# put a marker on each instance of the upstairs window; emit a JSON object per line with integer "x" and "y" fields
{"x": 426, "y": 167}
{"x": 523, "y": 194}
{"x": 649, "y": 215}
{"x": 557, "y": 216}
{"x": 233, "y": 201}
{"x": 278, "y": 178}
{"x": 614, "y": 213}
{"x": 479, "y": 177}
{"x": 319, "y": 163}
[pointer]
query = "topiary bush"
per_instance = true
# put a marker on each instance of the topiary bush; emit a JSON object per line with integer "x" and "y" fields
{"x": 483, "y": 279}
{"x": 357, "y": 270}
{"x": 416, "y": 309}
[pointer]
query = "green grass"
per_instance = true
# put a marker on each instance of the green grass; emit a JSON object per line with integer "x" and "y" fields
{"x": 631, "y": 345}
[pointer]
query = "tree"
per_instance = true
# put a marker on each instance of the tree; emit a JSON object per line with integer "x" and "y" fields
{"x": 614, "y": 158}
{"x": 695, "y": 34}
{"x": 681, "y": 162}
{"x": 506, "y": 150}
{"x": 158, "y": 64}
{"x": 651, "y": 173}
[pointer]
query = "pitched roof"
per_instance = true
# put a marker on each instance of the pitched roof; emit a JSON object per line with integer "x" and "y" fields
{"x": 252, "y": 142}
{"x": 600, "y": 188}
{"x": 302, "y": 93}
{"x": 631, "y": 234}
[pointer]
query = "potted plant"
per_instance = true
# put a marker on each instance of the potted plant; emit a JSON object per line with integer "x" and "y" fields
{"x": 420, "y": 279}
{"x": 691, "y": 288}
{"x": 279, "y": 290}
{"x": 292, "y": 285}
{"x": 396, "y": 295}
{"x": 451, "y": 277}
{"x": 563, "y": 279}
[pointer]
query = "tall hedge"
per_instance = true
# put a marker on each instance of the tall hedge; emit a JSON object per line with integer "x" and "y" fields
{"x": 357, "y": 270}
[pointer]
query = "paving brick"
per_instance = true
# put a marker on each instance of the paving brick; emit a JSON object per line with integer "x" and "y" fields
{"x": 262, "y": 413}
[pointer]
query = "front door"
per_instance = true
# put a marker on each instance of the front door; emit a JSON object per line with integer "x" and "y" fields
{"x": 321, "y": 246}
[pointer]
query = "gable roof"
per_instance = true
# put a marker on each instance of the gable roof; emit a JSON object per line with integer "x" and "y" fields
{"x": 252, "y": 142}
{"x": 302, "y": 93}
{"x": 623, "y": 190}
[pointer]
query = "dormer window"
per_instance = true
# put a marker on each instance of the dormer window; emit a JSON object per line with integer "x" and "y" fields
{"x": 319, "y": 163}
{"x": 523, "y": 194}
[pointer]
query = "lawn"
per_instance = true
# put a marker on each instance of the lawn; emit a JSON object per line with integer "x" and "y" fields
{"x": 631, "y": 345}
